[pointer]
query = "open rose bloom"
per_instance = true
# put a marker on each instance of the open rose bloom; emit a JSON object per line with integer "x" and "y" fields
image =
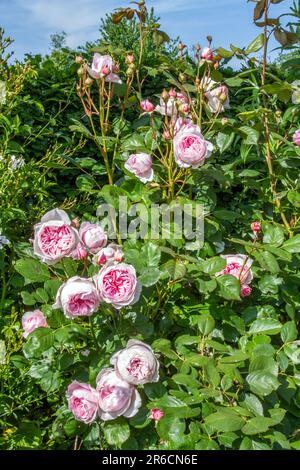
{"x": 140, "y": 164}
{"x": 136, "y": 363}
{"x": 54, "y": 237}
{"x": 33, "y": 320}
{"x": 190, "y": 147}
{"x": 239, "y": 266}
{"x": 103, "y": 66}
{"x": 118, "y": 285}
{"x": 83, "y": 401}
{"x": 77, "y": 297}
{"x": 92, "y": 236}
{"x": 116, "y": 396}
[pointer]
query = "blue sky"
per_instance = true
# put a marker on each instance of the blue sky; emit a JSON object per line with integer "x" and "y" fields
{"x": 30, "y": 22}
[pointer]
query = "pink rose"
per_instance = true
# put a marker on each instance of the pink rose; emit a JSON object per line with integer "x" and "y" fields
{"x": 116, "y": 397}
{"x": 77, "y": 297}
{"x": 147, "y": 106}
{"x": 190, "y": 147}
{"x": 33, "y": 320}
{"x": 238, "y": 266}
{"x": 83, "y": 401}
{"x": 245, "y": 290}
{"x": 140, "y": 164}
{"x": 54, "y": 237}
{"x": 217, "y": 96}
{"x": 110, "y": 254}
{"x": 118, "y": 285}
{"x": 207, "y": 54}
{"x": 296, "y": 138}
{"x": 256, "y": 227}
{"x": 92, "y": 236}
{"x": 79, "y": 253}
{"x": 156, "y": 414}
{"x": 136, "y": 363}
{"x": 103, "y": 66}
{"x": 172, "y": 93}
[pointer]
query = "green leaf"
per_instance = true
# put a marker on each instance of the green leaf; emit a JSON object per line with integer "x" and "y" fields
{"x": 224, "y": 53}
{"x": 251, "y": 135}
{"x": 273, "y": 234}
{"x": 176, "y": 269}
{"x": 32, "y": 270}
{"x": 213, "y": 265}
{"x": 224, "y": 141}
{"x": 262, "y": 382}
{"x": 267, "y": 261}
{"x": 85, "y": 183}
{"x": 206, "y": 324}
{"x": 269, "y": 326}
{"x": 171, "y": 429}
{"x": 28, "y": 298}
{"x": 229, "y": 287}
{"x": 257, "y": 425}
{"x": 253, "y": 404}
{"x": 79, "y": 127}
{"x": 255, "y": 45}
{"x": 149, "y": 276}
{"x": 38, "y": 342}
{"x": 289, "y": 332}
{"x": 186, "y": 380}
{"x": 293, "y": 244}
{"x": 282, "y": 89}
{"x": 269, "y": 283}
{"x": 224, "y": 421}
{"x": 116, "y": 433}
{"x": 164, "y": 346}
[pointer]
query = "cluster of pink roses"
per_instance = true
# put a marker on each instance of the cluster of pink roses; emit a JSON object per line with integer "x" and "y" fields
{"x": 239, "y": 266}
{"x": 115, "y": 393}
{"x": 116, "y": 283}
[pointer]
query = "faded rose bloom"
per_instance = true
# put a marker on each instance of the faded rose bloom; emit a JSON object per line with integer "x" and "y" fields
{"x": 110, "y": 254}
{"x": 238, "y": 266}
{"x": 83, "y": 401}
{"x": 103, "y": 66}
{"x": 190, "y": 147}
{"x": 296, "y": 138}
{"x": 207, "y": 54}
{"x": 140, "y": 164}
{"x": 217, "y": 96}
{"x": 92, "y": 236}
{"x": 156, "y": 414}
{"x": 77, "y": 297}
{"x": 245, "y": 290}
{"x": 118, "y": 285}
{"x": 54, "y": 237}
{"x": 116, "y": 397}
{"x": 167, "y": 107}
{"x": 33, "y": 320}
{"x": 79, "y": 253}
{"x": 256, "y": 227}
{"x": 147, "y": 106}
{"x": 136, "y": 363}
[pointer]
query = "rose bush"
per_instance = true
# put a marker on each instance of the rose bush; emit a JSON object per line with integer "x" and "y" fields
{"x": 161, "y": 341}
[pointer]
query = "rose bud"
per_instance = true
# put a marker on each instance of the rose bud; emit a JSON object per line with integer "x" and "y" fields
{"x": 82, "y": 401}
{"x": 110, "y": 254}
{"x": 136, "y": 363}
{"x": 238, "y": 266}
{"x": 80, "y": 71}
{"x": 129, "y": 59}
{"x": 156, "y": 414}
{"x": 118, "y": 285}
{"x": 33, "y": 320}
{"x": 296, "y": 138}
{"x": 116, "y": 397}
{"x": 77, "y": 297}
{"x": 79, "y": 253}
{"x": 184, "y": 108}
{"x": 105, "y": 71}
{"x": 245, "y": 290}
{"x": 54, "y": 237}
{"x": 198, "y": 47}
{"x": 89, "y": 81}
{"x": 75, "y": 222}
{"x": 92, "y": 236}
{"x": 165, "y": 95}
{"x": 190, "y": 147}
{"x": 207, "y": 54}
{"x": 147, "y": 106}
{"x": 140, "y": 164}
{"x": 256, "y": 227}
{"x": 167, "y": 135}
{"x": 79, "y": 59}
{"x": 172, "y": 93}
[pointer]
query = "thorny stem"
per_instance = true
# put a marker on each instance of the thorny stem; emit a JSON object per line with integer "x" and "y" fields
{"x": 268, "y": 154}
